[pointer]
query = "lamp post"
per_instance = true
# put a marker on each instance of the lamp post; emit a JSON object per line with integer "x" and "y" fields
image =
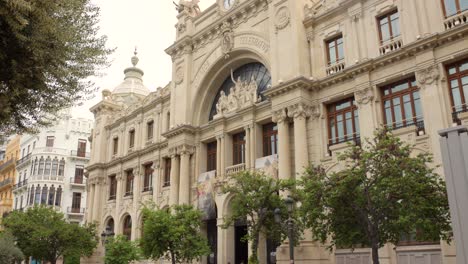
{"x": 289, "y": 224}
{"x": 106, "y": 235}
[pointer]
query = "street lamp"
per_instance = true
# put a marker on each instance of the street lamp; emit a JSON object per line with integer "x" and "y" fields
{"x": 106, "y": 235}
{"x": 289, "y": 224}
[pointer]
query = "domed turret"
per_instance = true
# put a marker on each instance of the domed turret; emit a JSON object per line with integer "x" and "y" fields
{"x": 133, "y": 82}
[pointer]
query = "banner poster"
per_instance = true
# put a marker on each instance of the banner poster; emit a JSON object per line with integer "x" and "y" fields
{"x": 205, "y": 194}
{"x": 268, "y": 165}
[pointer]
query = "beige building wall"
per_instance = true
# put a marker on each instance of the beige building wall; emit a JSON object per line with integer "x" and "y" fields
{"x": 289, "y": 38}
{"x": 7, "y": 175}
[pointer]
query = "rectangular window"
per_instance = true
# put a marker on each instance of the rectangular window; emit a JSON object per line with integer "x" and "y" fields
{"x": 79, "y": 170}
{"x": 149, "y": 130}
{"x": 410, "y": 239}
{"x": 129, "y": 183}
{"x": 270, "y": 139}
{"x": 148, "y": 177}
{"x": 81, "y": 150}
{"x": 167, "y": 172}
{"x": 389, "y": 26}
{"x": 453, "y": 7}
{"x": 335, "y": 50}
{"x": 76, "y": 202}
{"x": 211, "y": 155}
{"x": 457, "y": 74}
{"x": 112, "y": 187}
{"x": 402, "y": 104}
{"x": 115, "y": 144}
{"x": 29, "y": 149}
{"x": 50, "y": 141}
{"x": 343, "y": 121}
{"x": 131, "y": 138}
{"x": 238, "y": 148}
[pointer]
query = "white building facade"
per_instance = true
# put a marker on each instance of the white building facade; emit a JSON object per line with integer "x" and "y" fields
{"x": 51, "y": 169}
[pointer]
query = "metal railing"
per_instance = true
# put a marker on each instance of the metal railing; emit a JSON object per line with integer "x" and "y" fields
{"x": 20, "y": 184}
{"x": 455, "y": 115}
{"x": 356, "y": 138}
{"x": 80, "y": 154}
{"x": 148, "y": 189}
{"x": 23, "y": 159}
{"x": 408, "y": 123}
{"x": 73, "y": 210}
{"x": 5, "y": 182}
{"x": 77, "y": 180}
{"x": 6, "y": 164}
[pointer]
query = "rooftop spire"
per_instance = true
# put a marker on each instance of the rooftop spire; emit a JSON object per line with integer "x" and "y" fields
{"x": 135, "y": 58}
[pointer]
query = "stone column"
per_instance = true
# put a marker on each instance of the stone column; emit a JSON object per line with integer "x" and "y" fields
{"x": 137, "y": 182}
{"x": 118, "y": 195}
{"x": 218, "y": 156}
{"x": 90, "y": 201}
{"x": 184, "y": 188}
{"x": 284, "y": 170}
{"x": 299, "y": 113}
{"x": 253, "y": 146}
{"x": 248, "y": 146}
{"x": 174, "y": 191}
{"x": 222, "y": 162}
{"x": 364, "y": 97}
{"x": 156, "y": 180}
{"x": 96, "y": 202}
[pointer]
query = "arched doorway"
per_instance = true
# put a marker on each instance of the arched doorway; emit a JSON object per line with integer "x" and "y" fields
{"x": 127, "y": 227}
{"x": 110, "y": 225}
{"x": 241, "y": 246}
{"x": 212, "y": 236}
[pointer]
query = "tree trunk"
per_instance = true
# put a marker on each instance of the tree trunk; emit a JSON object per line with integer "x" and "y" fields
{"x": 53, "y": 261}
{"x": 173, "y": 258}
{"x": 255, "y": 247}
{"x": 375, "y": 253}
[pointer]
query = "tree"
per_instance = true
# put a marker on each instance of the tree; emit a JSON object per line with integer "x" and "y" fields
{"x": 173, "y": 234}
{"x": 9, "y": 252}
{"x": 255, "y": 196}
{"x": 120, "y": 250}
{"x": 43, "y": 233}
{"x": 382, "y": 193}
{"x": 48, "y": 49}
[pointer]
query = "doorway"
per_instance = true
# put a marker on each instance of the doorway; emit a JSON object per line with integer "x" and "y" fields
{"x": 241, "y": 246}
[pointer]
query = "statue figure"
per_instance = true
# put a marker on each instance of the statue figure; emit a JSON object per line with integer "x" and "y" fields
{"x": 191, "y": 7}
{"x": 222, "y": 104}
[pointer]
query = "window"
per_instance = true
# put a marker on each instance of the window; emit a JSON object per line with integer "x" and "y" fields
{"x": 115, "y": 144}
{"x": 402, "y": 104}
{"x": 112, "y": 187}
{"x": 29, "y": 149}
{"x": 389, "y": 27}
{"x": 238, "y": 148}
{"x": 41, "y": 166}
{"x": 149, "y": 130}
{"x": 37, "y": 197}
{"x": 211, "y": 153}
{"x": 44, "y": 195}
{"x": 167, "y": 172}
{"x": 76, "y": 202}
{"x": 411, "y": 239}
{"x": 81, "y": 150}
{"x": 58, "y": 196}
{"x": 21, "y": 202}
{"x": 458, "y": 83}
{"x": 31, "y": 196}
{"x": 48, "y": 165}
{"x": 335, "y": 51}
{"x": 127, "y": 227}
{"x": 131, "y": 136}
{"x": 452, "y": 7}
{"x": 36, "y": 163}
{"x": 129, "y": 183}
{"x": 270, "y": 139}
{"x": 61, "y": 167}
{"x": 54, "y": 167}
{"x": 343, "y": 121}
{"x": 148, "y": 177}
{"x": 34, "y": 144}
{"x": 50, "y": 141}
{"x": 51, "y": 195}
{"x": 79, "y": 170}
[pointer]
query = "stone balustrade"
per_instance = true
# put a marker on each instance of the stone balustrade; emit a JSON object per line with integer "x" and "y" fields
{"x": 456, "y": 20}
{"x": 335, "y": 67}
{"x": 391, "y": 45}
{"x": 235, "y": 169}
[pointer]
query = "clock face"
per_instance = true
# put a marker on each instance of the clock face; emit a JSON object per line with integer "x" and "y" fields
{"x": 228, "y": 3}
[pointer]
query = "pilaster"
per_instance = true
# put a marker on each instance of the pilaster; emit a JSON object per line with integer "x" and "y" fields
{"x": 280, "y": 117}
{"x": 299, "y": 113}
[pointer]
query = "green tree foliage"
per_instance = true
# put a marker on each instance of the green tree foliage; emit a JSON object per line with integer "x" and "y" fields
{"x": 382, "y": 193}
{"x": 9, "y": 252}
{"x": 48, "y": 49}
{"x": 120, "y": 250}
{"x": 173, "y": 234}
{"x": 255, "y": 196}
{"x": 43, "y": 233}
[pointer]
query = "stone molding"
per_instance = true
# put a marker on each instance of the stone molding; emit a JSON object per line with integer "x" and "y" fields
{"x": 428, "y": 75}
{"x": 279, "y": 116}
{"x": 364, "y": 96}
{"x": 299, "y": 110}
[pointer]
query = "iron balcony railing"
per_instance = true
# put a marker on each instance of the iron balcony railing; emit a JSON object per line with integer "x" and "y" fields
{"x": 77, "y": 180}
{"x": 20, "y": 184}
{"x": 6, "y": 164}
{"x": 23, "y": 159}
{"x": 5, "y": 182}
{"x": 80, "y": 154}
{"x": 455, "y": 115}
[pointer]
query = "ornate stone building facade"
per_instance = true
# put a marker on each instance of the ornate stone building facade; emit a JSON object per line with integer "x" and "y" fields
{"x": 276, "y": 85}
{"x": 7, "y": 175}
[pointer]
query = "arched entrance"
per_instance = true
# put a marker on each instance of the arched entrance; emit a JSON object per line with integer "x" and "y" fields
{"x": 212, "y": 236}
{"x": 241, "y": 246}
{"x": 127, "y": 227}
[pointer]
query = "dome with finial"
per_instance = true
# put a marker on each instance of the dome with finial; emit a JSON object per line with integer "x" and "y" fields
{"x": 133, "y": 81}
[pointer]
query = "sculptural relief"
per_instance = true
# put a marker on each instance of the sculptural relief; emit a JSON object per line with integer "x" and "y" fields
{"x": 190, "y": 7}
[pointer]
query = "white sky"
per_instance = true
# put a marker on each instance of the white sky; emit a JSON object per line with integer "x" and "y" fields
{"x": 147, "y": 24}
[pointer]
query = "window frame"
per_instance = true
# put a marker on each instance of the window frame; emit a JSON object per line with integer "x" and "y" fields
{"x": 167, "y": 172}
{"x": 79, "y": 174}
{"x": 76, "y": 202}
{"x": 129, "y": 182}
{"x": 112, "y": 187}
{"x": 115, "y": 146}
{"x": 268, "y": 130}
{"x": 150, "y": 130}
{"x": 50, "y": 141}
{"x": 327, "y": 44}
{"x": 456, "y": 76}
{"x": 333, "y": 114}
{"x": 238, "y": 148}
{"x": 211, "y": 155}
{"x": 81, "y": 148}
{"x": 148, "y": 177}
{"x": 387, "y": 15}
{"x": 131, "y": 138}
{"x": 457, "y": 6}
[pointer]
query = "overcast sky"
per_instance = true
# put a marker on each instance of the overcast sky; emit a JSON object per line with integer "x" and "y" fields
{"x": 147, "y": 24}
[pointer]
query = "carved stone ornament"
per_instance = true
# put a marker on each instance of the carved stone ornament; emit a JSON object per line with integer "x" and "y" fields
{"x": 179, "y": 75}
{"x": 364, "y": 96}
{"x": 181, "y": 27}
{"x": 315, "y": 111}
{"x": 191, "y": 8}
{"x": 227, "y": 39}
{"x": 299, "y": 111}
{"x": 316, "y": 6}
{"x": 282, "y": 18}
{"x": 428, "y": 75}
{"x": 279, "y": 116}
{"x": 243, "y": 94}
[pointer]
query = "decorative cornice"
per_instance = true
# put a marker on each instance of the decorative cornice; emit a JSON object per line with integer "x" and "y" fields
{"x": 180, "y": 129}
{"x": 428, "y": 75}
{"x": 300, "y": 82}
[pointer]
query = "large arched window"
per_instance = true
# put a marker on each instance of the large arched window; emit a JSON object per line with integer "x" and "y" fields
{"x": 256, "y": 70}
{"x": 110, "y": 225}
{"x": 58, "y": 196}
{"x": 51, "y": 195}
{"x": 127, "y": 227}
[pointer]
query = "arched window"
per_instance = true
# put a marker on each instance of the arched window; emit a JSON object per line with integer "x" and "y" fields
{"x": 61, "y": 167}
{"x": 51, "y": 195}
{"x": 58, "y": 196}
{"x": 37, "y": 196}
{"x": 110, "y": 225}
{"x": 48, "y": 164}
{"x": 41, "y": 166}
{"x": 31, "y": 195}
{"x": 127, "y": 227}
{"x": 44, "y": 195}
{"x": 254, "y": 70}
{"x": 54, "y": 167}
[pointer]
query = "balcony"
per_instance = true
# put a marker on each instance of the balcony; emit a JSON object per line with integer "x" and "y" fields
{"x": 20, "y": 184}
{"x": 23, "y": 160}
{"x": 391, "y": 45}
{"x": 78, "y": 154}
{"x": 5, "y": 182}
{"x": 78, "y": 181}
{"x": 456, "y": 20}
{"x": 458, "y": 115}
{"x": 6, "y": 164}
{"x": 235, "y": 169}
{"x": 355, "y": 138}
{"x": 335, "y": 67}
{"x": 75, "y": 211}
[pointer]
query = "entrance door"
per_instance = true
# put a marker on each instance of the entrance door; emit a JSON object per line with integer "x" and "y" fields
{"x": 241, "y": 247}
{"x": 212, "y": 234}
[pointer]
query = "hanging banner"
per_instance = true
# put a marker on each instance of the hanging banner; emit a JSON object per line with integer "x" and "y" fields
{"x": 205, "y": 193}
{"x": 268, "y": 165}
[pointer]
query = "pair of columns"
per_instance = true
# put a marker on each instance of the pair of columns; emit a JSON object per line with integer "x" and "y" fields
{"x": 180, "y": 175}
{"x": 299, "y": 114}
